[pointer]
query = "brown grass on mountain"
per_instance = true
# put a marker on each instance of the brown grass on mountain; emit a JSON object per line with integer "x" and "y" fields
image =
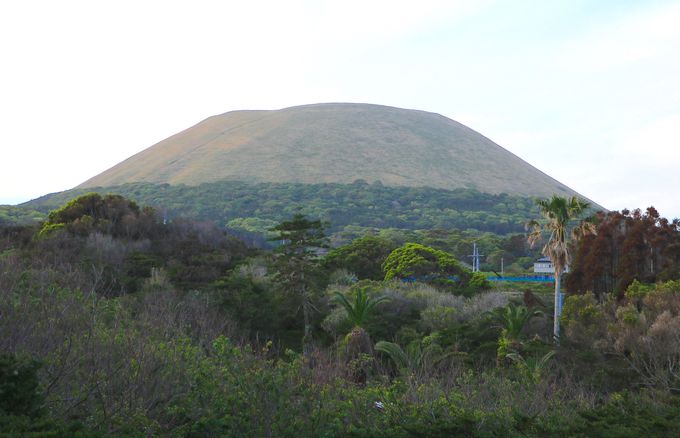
{"x": 335, "y": 142}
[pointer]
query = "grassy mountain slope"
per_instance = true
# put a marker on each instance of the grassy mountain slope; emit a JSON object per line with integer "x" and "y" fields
{"x": 334, "y": 143}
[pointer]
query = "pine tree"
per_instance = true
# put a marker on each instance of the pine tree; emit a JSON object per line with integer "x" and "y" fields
{"x": 297, "y": 263}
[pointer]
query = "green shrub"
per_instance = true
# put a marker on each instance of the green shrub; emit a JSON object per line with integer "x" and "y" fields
{"x": 19, "y": 386}
{"x": 583, "y": 319}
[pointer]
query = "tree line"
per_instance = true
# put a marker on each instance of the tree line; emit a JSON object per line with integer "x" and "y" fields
{"x": 254, "y": 208}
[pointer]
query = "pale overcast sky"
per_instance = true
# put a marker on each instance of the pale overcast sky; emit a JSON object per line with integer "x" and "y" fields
{"x": 587, "y": 91}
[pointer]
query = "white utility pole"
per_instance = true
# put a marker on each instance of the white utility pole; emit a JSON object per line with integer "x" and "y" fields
{"x": 475, "y": 257}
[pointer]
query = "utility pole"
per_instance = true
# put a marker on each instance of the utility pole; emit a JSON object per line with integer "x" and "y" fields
{"x": 475, "y": 257}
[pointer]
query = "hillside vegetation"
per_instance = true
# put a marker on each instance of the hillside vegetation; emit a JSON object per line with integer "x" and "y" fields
{"x": 334, "y": 143}
{"x": 118, "y": 323}
{"x": 256, "y": 207}
{"x": 13, "y": 215}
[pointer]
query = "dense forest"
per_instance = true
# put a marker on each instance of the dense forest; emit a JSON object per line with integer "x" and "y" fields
{"x": 448, "y": 220}
{"x": 257, "y": 207}
{"x": 117, "y": 320}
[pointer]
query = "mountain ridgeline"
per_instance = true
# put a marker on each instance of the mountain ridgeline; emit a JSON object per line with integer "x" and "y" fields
{"x": 334, "y": 143}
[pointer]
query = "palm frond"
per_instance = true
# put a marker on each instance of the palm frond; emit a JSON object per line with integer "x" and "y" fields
{"x": 512, "y": 318}
{"x": 396, "y": 353}
{"x": 358, "y": 311}
{"x": 375, "y": 301}
{"x": 544, "y": 360}
{"x": 533, "y": 367}
{"x": 340, "y": 299}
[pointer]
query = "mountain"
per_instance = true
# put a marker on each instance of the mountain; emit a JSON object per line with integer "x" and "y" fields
{"x": 334, "y": 143}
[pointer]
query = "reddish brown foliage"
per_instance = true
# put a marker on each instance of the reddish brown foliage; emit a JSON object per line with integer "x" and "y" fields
{"x": 627, "y": 246}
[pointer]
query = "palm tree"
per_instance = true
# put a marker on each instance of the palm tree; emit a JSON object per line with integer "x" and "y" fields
{"x": 358, "y": 340}
{"x": 559, "y": 212}
{"x": 511, "y": 319}
{"x": 415, "y": 358}
{"x": 532, "y": 368}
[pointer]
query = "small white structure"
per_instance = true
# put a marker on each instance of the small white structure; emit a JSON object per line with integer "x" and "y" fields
{"x": 545, "y": 266}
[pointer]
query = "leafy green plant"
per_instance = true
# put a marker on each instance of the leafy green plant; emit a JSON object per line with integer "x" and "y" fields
{"x": 363, "y": 257}
{"x": 584, "y": 319}
{"x": 531, "y": 368}
{"x": 359, "y": 309}
{"x": 415, "y": 359}
{"x": 19, "y": 386}
{"x": 416, "y": 262}
{"x": 511, "y": 319}
{"x": 358, "y": 342}
{"x": 414, "y": 259}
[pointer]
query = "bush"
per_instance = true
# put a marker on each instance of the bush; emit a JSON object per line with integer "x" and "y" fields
{"x": 583, "y": 320}
{"x": 363, "y": 257}
{"x": 417, "y": 262}
{"x": 19, "y": 387}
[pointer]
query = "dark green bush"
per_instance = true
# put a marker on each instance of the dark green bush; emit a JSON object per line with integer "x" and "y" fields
{"x": 19, "y": 386}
